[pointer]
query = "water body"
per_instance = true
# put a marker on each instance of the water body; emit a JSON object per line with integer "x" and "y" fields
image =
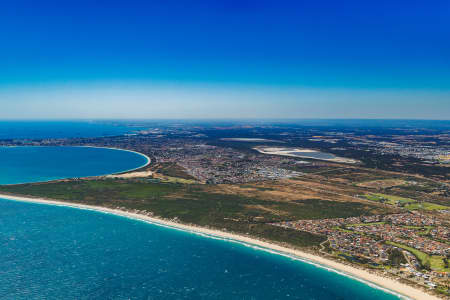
{"x": 61, "y": 129}
{"x": 51, "y": 252}
{"x": 33, "y": 164}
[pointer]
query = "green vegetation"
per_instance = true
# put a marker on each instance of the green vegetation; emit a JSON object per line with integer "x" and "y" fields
{"x": 421, "y": 230}
{"x": 396, "y": 257}
{"x": 193, "y": 203}
{"x": 168, "y": 179}
{"x": 345, "y": 230}
{"x": 172, "y": 170}
{"x": 433, "y": 262}
{"x": 443, "y": 290}
{"x": 367, "y": 224}
{"x": 425, "y": 206}
{"x": 96, "y": 192}
{"x": 408, "y": 203}
{"x": 389, "y": 199}
{"x": 285, "y": 235}
{"x": 323, "y": 209}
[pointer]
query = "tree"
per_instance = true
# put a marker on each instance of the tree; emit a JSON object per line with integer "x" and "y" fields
{"x": 427, "y": 265}
{"x": 396, "y": 257}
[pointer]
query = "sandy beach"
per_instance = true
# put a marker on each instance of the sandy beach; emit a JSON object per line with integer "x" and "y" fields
{"x": 141, "y": 174}
{"x": 362, "y": 275}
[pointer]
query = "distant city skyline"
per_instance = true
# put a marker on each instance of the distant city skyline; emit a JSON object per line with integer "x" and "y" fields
{"x": 225, "y": 59}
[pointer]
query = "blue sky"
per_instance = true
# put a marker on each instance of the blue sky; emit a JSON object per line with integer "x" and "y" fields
{"x": 225, "y": 59}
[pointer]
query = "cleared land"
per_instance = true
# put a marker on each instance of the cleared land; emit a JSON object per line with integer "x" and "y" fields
{"x": 382, "y": 184}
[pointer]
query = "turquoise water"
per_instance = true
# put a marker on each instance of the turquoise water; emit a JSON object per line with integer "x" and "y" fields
{"x": 52, "y": 252}
{"x": 31, "y": 164}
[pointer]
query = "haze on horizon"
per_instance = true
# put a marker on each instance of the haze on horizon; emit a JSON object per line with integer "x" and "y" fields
{"x": 225, "y": 59}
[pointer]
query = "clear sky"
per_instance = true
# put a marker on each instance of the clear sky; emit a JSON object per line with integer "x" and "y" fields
{"x": 225, "y": 59}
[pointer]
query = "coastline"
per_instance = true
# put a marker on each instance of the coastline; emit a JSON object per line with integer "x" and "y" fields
{"x": 119, "y": 149}
{"x": 93, "y": 176}
{"x": 387, "y": 284}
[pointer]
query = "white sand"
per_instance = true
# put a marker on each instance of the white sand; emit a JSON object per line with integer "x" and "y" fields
{"x": 282, "y": 151}
{"x": 141, "y": 174}
{"x": 362, "y": 275}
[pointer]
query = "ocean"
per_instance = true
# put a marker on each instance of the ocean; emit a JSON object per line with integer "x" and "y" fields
{"x": 62, "y": 129}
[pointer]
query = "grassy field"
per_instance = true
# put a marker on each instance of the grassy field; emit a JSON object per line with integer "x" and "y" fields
{"x": 389, "y": 199}
{"x": 425, "y": 206}
{"x": 193, "y": 203}
{"x": 408, "y": 203}
{"x": 345, "y": 230}
{"x": 421, "y": 230}
{"x": 436, "y": 262}
{"x": 366, "y": 224}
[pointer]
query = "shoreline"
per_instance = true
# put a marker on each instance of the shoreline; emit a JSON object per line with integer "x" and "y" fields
{"x": 386, "y": 284}
{"x": 118, "y": 149}
{"x": 93, "y": 176}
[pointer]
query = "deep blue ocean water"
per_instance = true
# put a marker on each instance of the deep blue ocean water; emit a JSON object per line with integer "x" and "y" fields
{"x": 31, "y": 164}
{"x": 51, "y": 252}
{"x": 61, "y": 129}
